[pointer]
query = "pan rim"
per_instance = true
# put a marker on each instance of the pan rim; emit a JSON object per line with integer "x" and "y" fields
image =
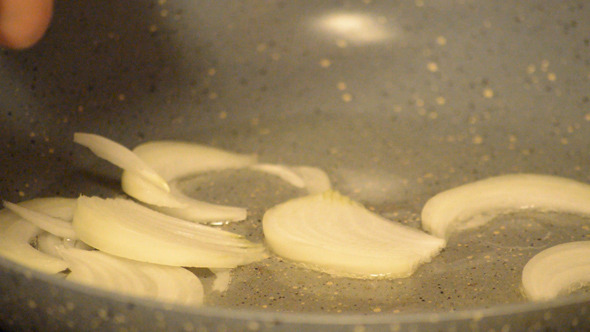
{"x": 325, "y": 319}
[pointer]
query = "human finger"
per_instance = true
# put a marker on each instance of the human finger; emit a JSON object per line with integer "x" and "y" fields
{"x": 24, "y": 22}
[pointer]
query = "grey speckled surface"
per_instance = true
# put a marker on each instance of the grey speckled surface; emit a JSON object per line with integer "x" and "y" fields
{"x": 396, "y": 100}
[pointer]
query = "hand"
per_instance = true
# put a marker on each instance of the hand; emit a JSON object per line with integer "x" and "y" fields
{"x": 23, "y": 22}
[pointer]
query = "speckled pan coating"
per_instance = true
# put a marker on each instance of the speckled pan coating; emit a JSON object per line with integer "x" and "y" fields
{"x": 396, "y": 100}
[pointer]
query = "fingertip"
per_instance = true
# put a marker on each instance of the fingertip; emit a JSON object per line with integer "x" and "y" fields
{"x": 24, "y": 22}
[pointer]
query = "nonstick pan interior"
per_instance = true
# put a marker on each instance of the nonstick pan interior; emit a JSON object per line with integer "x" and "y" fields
{"x": 396, "y": 101}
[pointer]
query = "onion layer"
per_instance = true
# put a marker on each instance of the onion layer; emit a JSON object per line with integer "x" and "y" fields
{"x": 333, "y": 234}
{"x": 222, "y": 280}
{"x": 557, "y": 270}
{"x": 119, "y": 155}
{"x": 466, "y": 206}
{"x": 48, "y": 243}
{"x": 46, "y": 222}
{"x": 200, "y": 211}
{"x": 16, "y": 234}
{"x": 158, "y": 282}
{"x": 123, "y": 228}
{"x": 176, "y": 160}
{"x": 282, "y": 171}
{"x": 313, "y": 179}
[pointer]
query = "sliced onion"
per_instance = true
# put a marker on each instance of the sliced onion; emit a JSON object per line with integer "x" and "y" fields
{"x": 123, "y": 228}
{"x": 331, "y": 233}
{"x": 475, "y": 203}
{"x": 16, "y": 234}
{"x": 46, "y": 222}
{"x": 48, "y": 243}
{"x": 158, "y": 282}
{"x": 313, "y": 179}
{"x": 58, "y": 207}
{"x": 558, "y": 270}
{"x": 222, "y": 279}
{"x": 119, "y": 155}
{"x": 177, "y": 160}
{"x": 15, "y": 246}
{"x": 200, "y": 211}
{"x": 282, "y": 171}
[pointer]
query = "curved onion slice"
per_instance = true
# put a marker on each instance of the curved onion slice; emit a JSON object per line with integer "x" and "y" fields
{"x": 48, "y": 243}
{"x": 119, "y": 155}
{"x": 176, "y": 160}
{"x": 123, "y": 228}
{"x": 58, "y": 207}
{"x": 333, "y": 234}
{"x": 46, "y": 222}
{"x": 465, "y": 206}
{"x": 560, "y": 269}
{"x": 163, "y": 283}
{"x": 15, "y": 246}
{"x": 282, "y": 171}
{"x": 16, "y": 234}
{"x": 196, "y": 210}
{"x": 222, "y": 279}
{"x": 313, "y": 179}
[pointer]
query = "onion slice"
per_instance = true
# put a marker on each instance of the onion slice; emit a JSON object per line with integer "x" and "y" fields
{"x": 200, "y": 211}
{"x": 282, "y": 171}
{"x": 16, "y": 234}
{"x": 15, "y": 246}
{"x": 475, "y": 203}
{"x": 558, "y": 270}
{"x": 176, "y": 160}
{"x": 46, "y": 222}
{"x": 119, "y": 155}
{"x": 313, "y": 179}
{"x": 123, "y": 228}
{"x": 330, "y": 233}
{"x": 222, "y": 280}
{"x": 57, "y": 207}
{"x": 48, "y": 243}
{"x": 163, "y": 283}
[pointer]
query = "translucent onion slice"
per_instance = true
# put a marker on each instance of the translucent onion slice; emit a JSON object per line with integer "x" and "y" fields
{"x": 313, "y": 179}
{"x": 200, "y": 211}
{"x": 123, "y": 228}
{"x": 282, "y": 171}
{"x": 475, "y": 203}
{"x": 58, "y": 207}
{"x": 119, "y": 155}
{"x": 46, "y": 222}
{"x": 48, "y": 243}
{"x": 177, "y": 160}
{"x": 331, "y": 233}
{"x": 16, "y": 234}
{"x": 222, "y": 280}
{"x": 15, "y": 246}
{"x": 163, "y": 283}
{"x": 558, "y": 270}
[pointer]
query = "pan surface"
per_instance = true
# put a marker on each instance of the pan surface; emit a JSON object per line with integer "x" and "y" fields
{"x": 395, "y": 100}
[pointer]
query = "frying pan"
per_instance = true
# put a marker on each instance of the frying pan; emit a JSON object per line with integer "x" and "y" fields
{"x": 395, "y": 100}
